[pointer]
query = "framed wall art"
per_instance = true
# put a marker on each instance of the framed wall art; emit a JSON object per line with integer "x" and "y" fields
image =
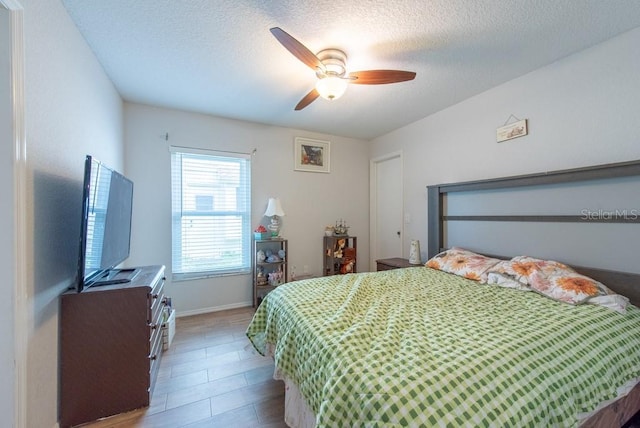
{"x": 311, "y": 155}
{"x": 512, "y": 130}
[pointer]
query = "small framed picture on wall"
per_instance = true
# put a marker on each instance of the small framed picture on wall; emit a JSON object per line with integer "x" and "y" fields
{"x": 311, "y": 155}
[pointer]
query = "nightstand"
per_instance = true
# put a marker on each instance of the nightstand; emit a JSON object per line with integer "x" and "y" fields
{"x": 393, "y": 263}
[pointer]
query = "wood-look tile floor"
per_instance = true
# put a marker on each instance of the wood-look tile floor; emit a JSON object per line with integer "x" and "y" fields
{"x": 210, "y": 377}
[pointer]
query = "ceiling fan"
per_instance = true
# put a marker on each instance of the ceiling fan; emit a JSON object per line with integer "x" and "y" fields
{"x": 330, "y": 67}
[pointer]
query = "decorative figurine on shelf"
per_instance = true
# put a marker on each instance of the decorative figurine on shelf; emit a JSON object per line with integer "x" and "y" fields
{"x": 339, "y": 247}
{"x": 347, "y": 266}
{"x": 348, "y": 261}
{"x": 260, "y": 278}
{"x": 272, "y": 257}
{"x": 261, "y": 256}
{"x": 282, "y": 253}
{"x": 276, "y": 278}
{"x": 350, "y": 253}
{"x": 328, "y": 231}
{"x": 341, "y": 228}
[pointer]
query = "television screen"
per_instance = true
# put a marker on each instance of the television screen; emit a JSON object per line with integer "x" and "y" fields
{"x": 106, "y": 223}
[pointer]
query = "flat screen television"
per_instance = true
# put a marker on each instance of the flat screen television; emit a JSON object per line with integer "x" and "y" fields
{"x": 105, "y": 238}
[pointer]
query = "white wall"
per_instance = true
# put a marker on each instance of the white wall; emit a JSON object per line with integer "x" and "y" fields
{"x": 72, "y": 109}
{"x": 7, "y": 372}
{"x": 583, "y": 110}
{"x": 310, "y": 200}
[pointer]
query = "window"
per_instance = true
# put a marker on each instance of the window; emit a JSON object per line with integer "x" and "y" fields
{"x": 211, "y": 213}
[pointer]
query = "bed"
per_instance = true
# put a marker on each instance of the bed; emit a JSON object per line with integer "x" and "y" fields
{"x": 425, "y": 347}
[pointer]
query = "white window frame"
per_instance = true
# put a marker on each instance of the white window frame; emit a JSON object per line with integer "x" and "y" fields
{"x": 181, "y": 269}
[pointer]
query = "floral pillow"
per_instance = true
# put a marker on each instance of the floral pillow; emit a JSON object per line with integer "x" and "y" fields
{"x": 545, "y": 266}
{"x": 565, "y": 285}
{"x": 515, "y": 273}
{"x": 511, "y": 274}
{"x": 461, "y": 262}
{"x": 556, "y": 281}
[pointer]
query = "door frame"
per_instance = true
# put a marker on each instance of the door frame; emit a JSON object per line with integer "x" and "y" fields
{"x": 20, "y": 274}
{"x": 373, "y": 203}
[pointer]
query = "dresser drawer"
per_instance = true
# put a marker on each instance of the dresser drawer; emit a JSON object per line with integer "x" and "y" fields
{"x": 156, "y": 301}
{"x": 155, "y": 356}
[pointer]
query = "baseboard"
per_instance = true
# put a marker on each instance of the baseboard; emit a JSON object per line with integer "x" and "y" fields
{"x": 180, "y": 314}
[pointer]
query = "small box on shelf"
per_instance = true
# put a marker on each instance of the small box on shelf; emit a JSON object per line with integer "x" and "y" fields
{"x": 261, "y": 236}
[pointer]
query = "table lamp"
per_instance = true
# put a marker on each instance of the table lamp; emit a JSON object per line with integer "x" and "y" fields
{"x": 274, "y": 210}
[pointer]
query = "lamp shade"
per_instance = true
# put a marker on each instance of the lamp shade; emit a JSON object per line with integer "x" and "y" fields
{"x": 331, "y": 87}
{"x": 274, "y": 208}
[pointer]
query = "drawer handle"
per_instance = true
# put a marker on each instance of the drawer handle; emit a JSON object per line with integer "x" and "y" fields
{"x": 155, "y": 296}
{"x": 154, "y": 326}
{"x": 153, "y": 357}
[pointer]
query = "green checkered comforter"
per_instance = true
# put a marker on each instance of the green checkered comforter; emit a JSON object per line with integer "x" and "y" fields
{"x": 418, "y": 347}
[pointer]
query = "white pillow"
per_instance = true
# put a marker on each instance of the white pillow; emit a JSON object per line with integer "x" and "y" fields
{"x": 497, "y": 278}
{"x": 616, "y": 302}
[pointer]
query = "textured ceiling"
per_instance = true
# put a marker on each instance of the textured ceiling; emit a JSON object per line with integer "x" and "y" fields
{"x": 218, "y": 57}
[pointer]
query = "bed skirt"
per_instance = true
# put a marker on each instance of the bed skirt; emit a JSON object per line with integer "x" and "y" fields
{"x": 297, "y": 413}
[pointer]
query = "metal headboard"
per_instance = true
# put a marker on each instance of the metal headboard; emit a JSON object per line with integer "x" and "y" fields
{"x": 624, "y": 283}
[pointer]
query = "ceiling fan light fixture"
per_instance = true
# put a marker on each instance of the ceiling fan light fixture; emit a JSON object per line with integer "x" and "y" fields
{"x": 331, "y": 69}
{"x": 331, "y": 87}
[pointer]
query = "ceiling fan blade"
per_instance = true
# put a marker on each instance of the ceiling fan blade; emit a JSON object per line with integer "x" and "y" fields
{"x": 298, "y": 50}
{"x": 380, "y": 77}
{"x": 308, "y": 99}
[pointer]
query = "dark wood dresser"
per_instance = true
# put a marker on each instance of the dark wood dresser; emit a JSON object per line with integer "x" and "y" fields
{"x": 393, "y": 263}
{"x": 110, "y": 347}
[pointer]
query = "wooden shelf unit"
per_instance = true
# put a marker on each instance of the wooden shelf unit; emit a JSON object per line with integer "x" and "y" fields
{"x": 275, "y": 245}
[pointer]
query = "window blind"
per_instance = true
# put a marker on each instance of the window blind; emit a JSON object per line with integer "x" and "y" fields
{"x": 211, "y": 213}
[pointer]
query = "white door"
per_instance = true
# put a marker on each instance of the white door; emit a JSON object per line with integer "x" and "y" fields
{"x": 386, "y": 208}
